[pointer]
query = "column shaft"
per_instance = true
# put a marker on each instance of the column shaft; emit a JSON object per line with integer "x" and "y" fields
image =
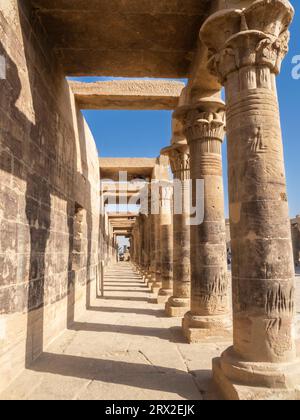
{"x": 166, "y": 240}
{"x": 209, "y": 315}
{"x": 262, "y": 259}
{"x": 154, "y": 243}
{"x": 179, "y": 303}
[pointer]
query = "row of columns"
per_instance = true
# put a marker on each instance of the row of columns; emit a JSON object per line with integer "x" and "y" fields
{"x": 246, "y": 48}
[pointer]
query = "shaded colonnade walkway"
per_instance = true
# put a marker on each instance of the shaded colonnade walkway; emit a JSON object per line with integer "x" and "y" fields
{"x": 123, "y": 347}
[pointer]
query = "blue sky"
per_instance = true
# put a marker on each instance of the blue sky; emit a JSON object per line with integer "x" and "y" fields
{"x": 144, "y": 134}
{"x": 289, "y": 100}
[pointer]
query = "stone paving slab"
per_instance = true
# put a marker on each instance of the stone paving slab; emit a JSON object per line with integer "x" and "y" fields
{"x": 123, "y": 348}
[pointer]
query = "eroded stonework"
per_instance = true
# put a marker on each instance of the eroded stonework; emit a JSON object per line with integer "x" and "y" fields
{"x": 58, "y": 241}
{"x": 262, "y": 260}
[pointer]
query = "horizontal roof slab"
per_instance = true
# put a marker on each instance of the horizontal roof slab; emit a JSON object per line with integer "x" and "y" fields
{"x": 135, "y": 167}
{"x": 136, "y": 38}
{"x": 121, "y": 215}
{"x": 128, "y": 94}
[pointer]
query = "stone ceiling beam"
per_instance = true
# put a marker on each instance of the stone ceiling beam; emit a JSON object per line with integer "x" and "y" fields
{"x": 135, "y": 168}
{"x": 123, "y": 38}
{"x": 128, "y": 94}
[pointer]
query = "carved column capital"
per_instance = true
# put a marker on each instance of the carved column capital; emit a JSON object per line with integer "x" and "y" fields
{"x": 179, "y": 156}
{"x": 257, "y": 36}
{"x": 205, "y": 125}
{"x": 180, "y": 163}
{"x": 204, "y": 121}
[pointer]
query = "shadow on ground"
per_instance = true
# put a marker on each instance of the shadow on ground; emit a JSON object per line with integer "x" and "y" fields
{"x": 139, "y": 375}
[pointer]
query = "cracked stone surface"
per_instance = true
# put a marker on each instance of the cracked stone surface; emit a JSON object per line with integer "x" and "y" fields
{"x": 123, "y": 348}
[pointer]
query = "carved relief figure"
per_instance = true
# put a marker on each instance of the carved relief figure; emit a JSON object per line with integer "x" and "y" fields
{"x": 257, "y": 142}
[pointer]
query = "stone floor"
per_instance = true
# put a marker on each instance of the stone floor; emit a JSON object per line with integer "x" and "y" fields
{"x": 122, "y": 348}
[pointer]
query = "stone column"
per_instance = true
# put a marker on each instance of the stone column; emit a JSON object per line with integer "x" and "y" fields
{"x": 152, "y": 269}
{"x": 155, "y": 233}
{"x": 166, "y": 241}
{"x": 146, "y": 259}
{"x": 115, "y": 244}
{"x": 179, "y": 303}
{"x": 136, "y": 244}
{"x": 204, "y": 124}
{"x": 148, "y": 239}
{"x": 132, "y": 247}
{"x": 157, "y": 229}
{"x": 140, "y": 243}
{"x": 154, "y": 214}
{"x": 246, "y": 48}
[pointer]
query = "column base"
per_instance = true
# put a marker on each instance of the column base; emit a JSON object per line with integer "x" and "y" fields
{"x": 256, "y": 381}
{"x": 177, "y": 308}
{"x": 154, "y": 291}
{"x": 198, "y": 328}
{"x": 151, "y": 281}
{"x": 156, "y": 288}
{"x": 164, "y": 295}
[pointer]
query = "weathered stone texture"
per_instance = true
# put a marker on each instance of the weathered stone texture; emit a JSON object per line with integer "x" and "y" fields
{"x": 48, "y": 162}
{"x": 127, "y": 38}
{"x": 179, "y": 302}
{"x": 204, "y": 127}
{"x": 128, "y": 94}
{"x": 262, "y": 260}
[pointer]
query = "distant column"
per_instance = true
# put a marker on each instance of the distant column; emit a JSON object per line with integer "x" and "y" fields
{"x": 166, "y": 241}
{"x": 204, "y": 128}
{"x": 179, "y": 303}
{"x": 154, "y": 243}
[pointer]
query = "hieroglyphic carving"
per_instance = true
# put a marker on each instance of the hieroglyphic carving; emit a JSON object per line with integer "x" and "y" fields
{"x": 279, "y": 303}
{"x": 278, "y": 340}
{"x": 214, "y": 300}
{"x": 280, "y": 300}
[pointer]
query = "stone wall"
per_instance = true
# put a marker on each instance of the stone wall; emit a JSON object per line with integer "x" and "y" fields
{"x": 49, "y": 196}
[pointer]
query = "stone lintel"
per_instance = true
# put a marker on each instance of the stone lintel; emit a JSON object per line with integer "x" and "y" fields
{"x": 128, "y": 94}
{"x": 135, "y": 167}
{"x": 121, "y": 215}
{"x": 116, "y": 187}
{"x": 115, "y": 198}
